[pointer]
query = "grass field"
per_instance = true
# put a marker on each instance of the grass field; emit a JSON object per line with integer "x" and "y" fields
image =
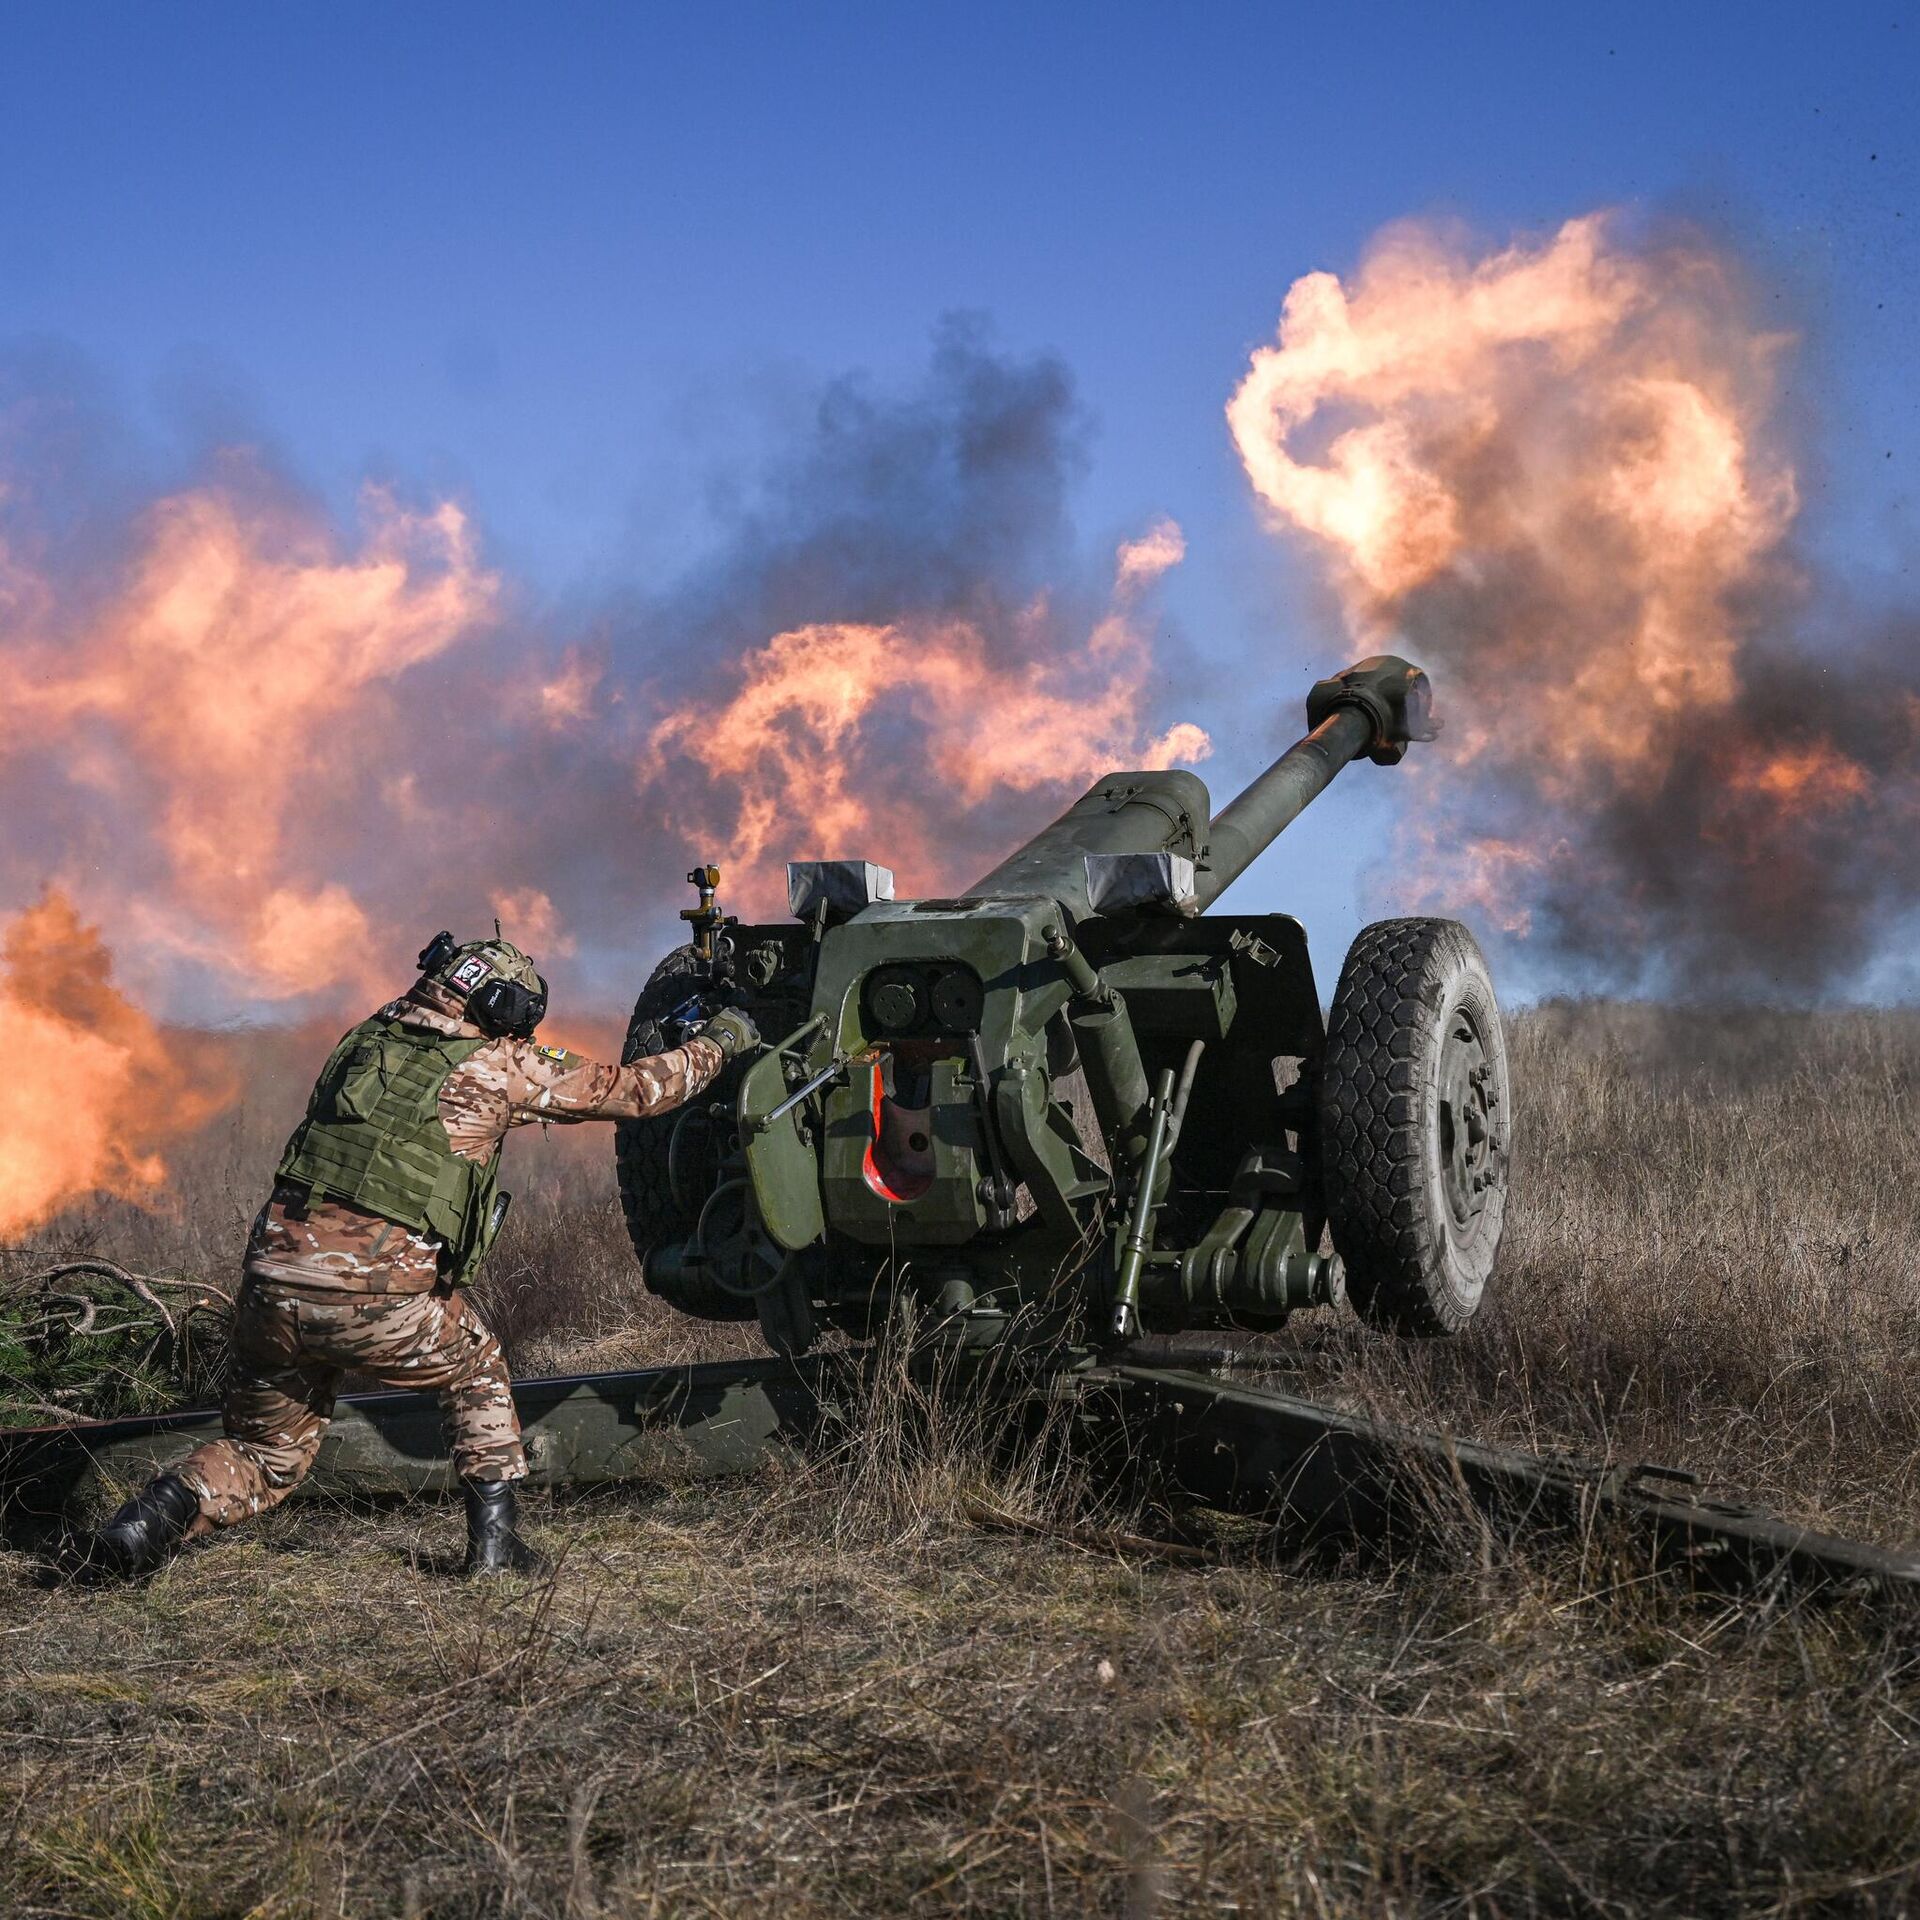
{"x": 833, "y": 1690}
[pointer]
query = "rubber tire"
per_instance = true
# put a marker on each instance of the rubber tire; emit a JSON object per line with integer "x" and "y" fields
{"x": 1413, "y": 1265}
{"x": 640, "y": 1146}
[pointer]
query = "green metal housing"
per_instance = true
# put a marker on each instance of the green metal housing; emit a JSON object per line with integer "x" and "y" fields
{"x": 986, "y": 1100}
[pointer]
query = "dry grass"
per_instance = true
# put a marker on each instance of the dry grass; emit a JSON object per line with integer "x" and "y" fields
{"x": 1714, "y": 1260}
{"x": 829, "y": 1689}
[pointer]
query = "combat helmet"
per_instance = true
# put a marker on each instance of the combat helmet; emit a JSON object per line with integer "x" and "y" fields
{"x": 501, "y": 989}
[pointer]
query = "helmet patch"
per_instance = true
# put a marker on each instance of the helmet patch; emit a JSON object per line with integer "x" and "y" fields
{"x": 470, "y": 973}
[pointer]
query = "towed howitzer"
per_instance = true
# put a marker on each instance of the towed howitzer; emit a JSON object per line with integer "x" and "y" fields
{"x": 1070, "y": 1101}
{"x": 1060, "y": 1107}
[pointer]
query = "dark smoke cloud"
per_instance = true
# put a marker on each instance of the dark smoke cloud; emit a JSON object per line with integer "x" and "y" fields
{"x": 948, "y": 499}
{"x": 1702, "y": 881}
{"x": 1562, "y": 475}
{"x": 1756, "y": 902}
{"x": 510, "y": 765}
{"x": 951, "y": 498}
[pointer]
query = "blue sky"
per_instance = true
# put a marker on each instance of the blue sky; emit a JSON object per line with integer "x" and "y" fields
{"x": 579, "y": 264}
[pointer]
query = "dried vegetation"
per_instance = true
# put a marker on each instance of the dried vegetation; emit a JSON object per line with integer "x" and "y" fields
{"x": 834, "y": 1690}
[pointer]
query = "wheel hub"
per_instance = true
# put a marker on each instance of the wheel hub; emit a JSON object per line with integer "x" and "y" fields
{"x": 1471, "y": 1150}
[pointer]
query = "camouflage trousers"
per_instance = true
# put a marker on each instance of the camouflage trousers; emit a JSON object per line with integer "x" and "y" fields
{"x": 290, "y": 1348}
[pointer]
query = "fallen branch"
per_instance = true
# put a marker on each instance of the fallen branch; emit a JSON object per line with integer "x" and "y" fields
{"x": 133, "y": 1282}
{"x": 67, "y": 1414}
{"x": 1100, "y": 1539}
{"x": 89, "y": 1308}
{"x": 143, "y": 1286}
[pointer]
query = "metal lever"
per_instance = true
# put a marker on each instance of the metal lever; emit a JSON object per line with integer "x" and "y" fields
{"x": 1133, "y": 1252}
{"x": 1168, "y": 1111}
{"x": 1000, "y": 1207}
{"x": 833, "y": 1070}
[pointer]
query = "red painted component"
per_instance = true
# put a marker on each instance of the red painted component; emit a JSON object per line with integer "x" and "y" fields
{"x": 899, "y": 1159}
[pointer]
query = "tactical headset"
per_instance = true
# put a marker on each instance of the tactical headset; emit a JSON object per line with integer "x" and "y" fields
{"x": 495, "y": 1006}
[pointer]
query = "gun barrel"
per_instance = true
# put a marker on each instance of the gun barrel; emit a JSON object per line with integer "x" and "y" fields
{"x": 1249, "y": 823}
{"x": 1125, "y": 813}
{"x": 1373, "y": 708}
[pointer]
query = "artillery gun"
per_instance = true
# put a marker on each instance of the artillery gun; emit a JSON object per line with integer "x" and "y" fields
{"x": 1069, "y": 1103}
{"x": 1058, "y": 1109}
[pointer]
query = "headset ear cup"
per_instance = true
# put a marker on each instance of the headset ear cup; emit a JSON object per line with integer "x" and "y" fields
{"x": 506, "y": 1007}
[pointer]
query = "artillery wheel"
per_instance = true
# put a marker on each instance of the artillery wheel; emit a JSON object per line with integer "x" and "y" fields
{"x": 1415, "y": 1124}
{"x": 657, "y": 1206}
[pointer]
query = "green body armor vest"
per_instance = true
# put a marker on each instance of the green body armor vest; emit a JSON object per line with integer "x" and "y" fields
{"x": 373, "y": 1138}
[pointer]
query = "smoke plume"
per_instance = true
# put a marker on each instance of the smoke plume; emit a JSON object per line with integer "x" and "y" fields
{"x": 195, "y": 712}
{"x": 898, "y": 654}
{"x": 897, "y": 737}
{"x": 93, "y": 1089}
{"x": 1557, "y": 476}
{"x": 258, "y": 757}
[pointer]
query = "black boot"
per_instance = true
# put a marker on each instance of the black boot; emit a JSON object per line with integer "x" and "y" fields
{"x": 493, "y": 1546}
{"x": 141, "y": 1535}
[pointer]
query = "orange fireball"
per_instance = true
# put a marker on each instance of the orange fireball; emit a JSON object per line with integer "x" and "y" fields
{"x": 94, "y": 1091}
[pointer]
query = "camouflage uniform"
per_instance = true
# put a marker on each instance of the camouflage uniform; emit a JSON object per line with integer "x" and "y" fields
{"x": 328, "y": 1288}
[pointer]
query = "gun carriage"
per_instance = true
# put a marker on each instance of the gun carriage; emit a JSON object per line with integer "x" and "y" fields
{"x": 1072, "y": 1103}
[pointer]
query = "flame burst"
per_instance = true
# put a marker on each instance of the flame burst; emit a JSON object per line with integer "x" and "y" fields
{"x": 850, "y": 740}
{"x": 1553, "y": 474}
{"x": 212, "y": 699}
{"x": 93, "y": 1090}
{"x": 176, "y": 744}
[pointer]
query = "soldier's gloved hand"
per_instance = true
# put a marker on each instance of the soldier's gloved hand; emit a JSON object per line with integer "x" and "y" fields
{"x": 731, "y": 1031}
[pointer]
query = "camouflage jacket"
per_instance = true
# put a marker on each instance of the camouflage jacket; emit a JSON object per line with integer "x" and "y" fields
{"x": 505, "y": 1084}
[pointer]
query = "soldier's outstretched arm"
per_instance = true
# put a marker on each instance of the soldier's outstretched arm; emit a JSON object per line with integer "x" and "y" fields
{"x": 549, "y": 1083}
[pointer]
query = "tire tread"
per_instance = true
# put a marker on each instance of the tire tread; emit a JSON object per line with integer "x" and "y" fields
{"x": 640, "y": 1146}
{"x": 1373, "y": 1149}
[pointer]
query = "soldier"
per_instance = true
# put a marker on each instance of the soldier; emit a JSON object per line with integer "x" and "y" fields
{"x": 385, "y": 1202}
